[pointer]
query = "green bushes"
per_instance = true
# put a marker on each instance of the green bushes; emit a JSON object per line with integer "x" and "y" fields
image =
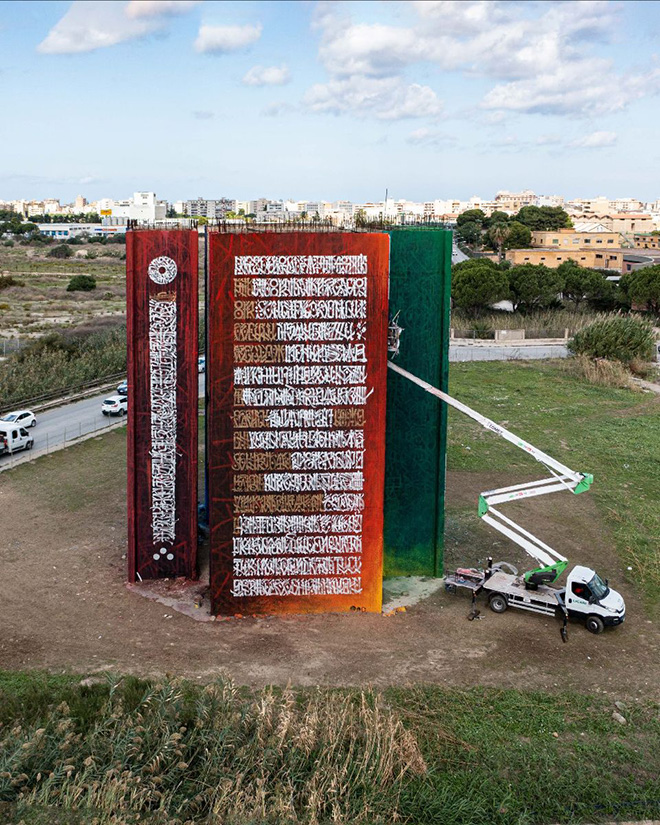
{"x": 478, "y": 283}
{"x": 618, "y": 339}
{"x": 81, "y": 283}
{"x": 60, "y": 251}
{"x": 58, "y": 362}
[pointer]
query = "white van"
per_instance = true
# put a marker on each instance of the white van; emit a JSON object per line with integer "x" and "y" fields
{"x": 13, "y": 438}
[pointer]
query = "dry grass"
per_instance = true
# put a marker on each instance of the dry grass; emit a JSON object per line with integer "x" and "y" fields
{"x": 599, "y": 371}
{"x": 217, "y": 756}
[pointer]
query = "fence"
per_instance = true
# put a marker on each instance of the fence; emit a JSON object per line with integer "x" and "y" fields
{"x": 52, "y": 442}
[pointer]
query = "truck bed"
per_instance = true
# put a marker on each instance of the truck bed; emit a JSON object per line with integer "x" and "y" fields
{"x": 544, "y": 600}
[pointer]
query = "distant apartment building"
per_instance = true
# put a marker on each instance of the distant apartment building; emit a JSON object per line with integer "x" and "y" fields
{"x": 646, "y": 240}
{"x": 215, "y": 209}
{"x": 605, "y": 259}
{"x": 574, "y": 239}
{"x": 143, "y": 207}
{"x": 514, "y": 201}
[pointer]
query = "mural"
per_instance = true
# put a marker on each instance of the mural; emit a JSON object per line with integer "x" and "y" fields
{"x": 297, "y": 368}
{"x": 162, "y": 320}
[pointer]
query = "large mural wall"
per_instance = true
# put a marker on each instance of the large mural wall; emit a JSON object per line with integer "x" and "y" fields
{"x": 297, "y": 383}
{"x": 162, "y": 322}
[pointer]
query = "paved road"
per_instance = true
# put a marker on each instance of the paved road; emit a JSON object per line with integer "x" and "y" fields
{"x": 61, "y": 424}
{"x": 457, "y": 256}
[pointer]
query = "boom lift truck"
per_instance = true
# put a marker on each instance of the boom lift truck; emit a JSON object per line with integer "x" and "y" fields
{"x": 586, "y": 596}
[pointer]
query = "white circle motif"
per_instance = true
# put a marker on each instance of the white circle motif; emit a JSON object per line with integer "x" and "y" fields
{"x": 162, "y": 270}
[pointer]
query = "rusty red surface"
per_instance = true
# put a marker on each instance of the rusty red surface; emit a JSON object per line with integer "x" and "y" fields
{"x": 162, "y": 323}
{"x": 297, "y": 376}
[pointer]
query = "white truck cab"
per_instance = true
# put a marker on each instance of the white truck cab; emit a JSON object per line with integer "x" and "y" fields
{"x": 13, "y": 438}
{"x": 587, "y": 595}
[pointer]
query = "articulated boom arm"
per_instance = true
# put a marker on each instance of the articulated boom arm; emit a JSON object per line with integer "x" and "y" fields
{"x": 561, "y": 478}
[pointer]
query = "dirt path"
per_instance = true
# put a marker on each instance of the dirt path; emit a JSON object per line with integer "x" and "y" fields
{"x": 64, "y": 605}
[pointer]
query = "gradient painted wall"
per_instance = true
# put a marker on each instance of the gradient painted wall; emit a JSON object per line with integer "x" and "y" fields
{"x": 297, "y": 382}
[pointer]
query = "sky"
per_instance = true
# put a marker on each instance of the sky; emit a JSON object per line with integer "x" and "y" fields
{"x": 329, "y": 100}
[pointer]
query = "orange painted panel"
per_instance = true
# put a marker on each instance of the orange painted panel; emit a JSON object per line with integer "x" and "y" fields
{"x": 297, "y": 366}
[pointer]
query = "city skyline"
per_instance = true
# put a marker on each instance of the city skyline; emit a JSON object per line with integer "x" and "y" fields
{"x": 328, "y": 100}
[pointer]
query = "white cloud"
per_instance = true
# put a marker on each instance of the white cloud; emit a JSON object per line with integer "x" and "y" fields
{"x": 93, "y": 24}
{"x": 267, "y": 76}
{"x": 430, "y": 137}
{"x": 277, "y": 109}
{"x": 157, "y": 8}
{"x": 548, "y": 140}
{"x": 595, "y": 140}
{"x": 587, "y": 88}
{"x": 224, "y": 39}
{"x": 203, "y": 114}
{"x": 383, "y": 98}
{"x": 542, "y": 54}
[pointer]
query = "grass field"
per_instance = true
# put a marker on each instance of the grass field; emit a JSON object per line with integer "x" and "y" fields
{"x": 614, "y": 434}
{"x": 174, "y": 752}
{"x": 42, "y": 302}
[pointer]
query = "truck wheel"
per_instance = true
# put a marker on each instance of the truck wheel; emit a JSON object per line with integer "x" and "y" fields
{"x": 498, "y": 603}
{"x": 595, "y": 624}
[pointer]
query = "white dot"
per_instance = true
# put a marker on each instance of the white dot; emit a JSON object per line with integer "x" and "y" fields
{"x": 170, "y": 556}
{"x": 156, "y": 556}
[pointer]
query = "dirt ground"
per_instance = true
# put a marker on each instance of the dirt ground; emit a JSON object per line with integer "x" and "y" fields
{"x": 64, "y": 605}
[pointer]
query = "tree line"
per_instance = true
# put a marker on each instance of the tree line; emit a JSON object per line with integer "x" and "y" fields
{"x": 479, "y": 283}
{"x": 501, "y": 231}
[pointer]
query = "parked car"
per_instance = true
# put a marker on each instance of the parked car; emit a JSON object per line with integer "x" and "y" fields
{"x": 24, "y": 418}
{"x": 122, "y": 389}
{"x": 13, "y": 438}
{"x": 201, "y": 363}
{"x": 115, "y": 405}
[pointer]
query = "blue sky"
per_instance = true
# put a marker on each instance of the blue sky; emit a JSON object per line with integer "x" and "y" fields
{"x": 329, "y": 100}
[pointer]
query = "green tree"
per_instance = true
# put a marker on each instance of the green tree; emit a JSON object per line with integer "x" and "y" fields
{"x": 470, "y": 233}
{"x": 520, "y": 236}
{"x": 543, "y": 217}
{"x": 534, "y": 286}
{"x": 477, "y": 216}
{"x": 498, "y": 236}
{"x": 497, "y": 217}
{"x": 478, "y": 283}
{"x": 642, "y": 287}
{"x": 582, "y": 284}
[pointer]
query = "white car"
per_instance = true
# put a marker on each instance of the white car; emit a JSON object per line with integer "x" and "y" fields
{"x": 115, "y": 405}
{"x": 23, "y": 418}
{"x": 201, "y": 363}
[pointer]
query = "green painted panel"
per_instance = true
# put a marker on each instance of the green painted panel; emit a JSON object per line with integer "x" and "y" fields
{"x": 415, "y": 459}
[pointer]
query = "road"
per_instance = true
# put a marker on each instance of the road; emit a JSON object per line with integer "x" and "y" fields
{"x": 61, "y": 424}
{"x": 457, "y": 256}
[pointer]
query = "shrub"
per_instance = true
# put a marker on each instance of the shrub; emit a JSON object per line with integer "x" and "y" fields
{"x": 9, "y": 280}
{"x": 8, "y": 243}
{"x": 81, "y": 283}
{"x": 599, "y": 371}
{"x": 618, "y": 339}
{"x": 60, "y": 251}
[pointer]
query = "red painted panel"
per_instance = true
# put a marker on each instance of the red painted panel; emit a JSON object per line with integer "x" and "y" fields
{"x": 297, "y": 366}
{"x": 162, "y": 322}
